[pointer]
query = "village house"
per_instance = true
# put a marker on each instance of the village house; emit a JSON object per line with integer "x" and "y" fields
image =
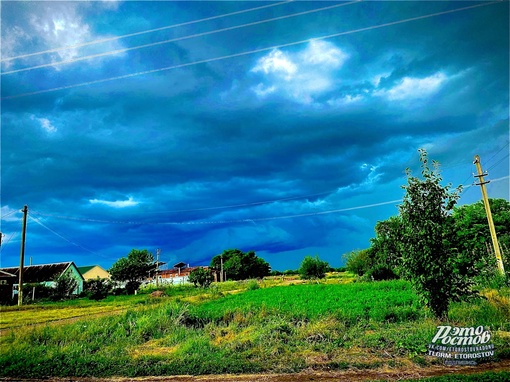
{"x": 179, "y": 274}
{"x": 45, "y": 274}
{"x": 92, "y": 272}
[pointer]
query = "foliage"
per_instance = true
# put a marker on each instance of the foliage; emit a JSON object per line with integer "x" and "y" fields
{"x": 313, "y": 268}
{"x": 134, "y": 268}
{"x": 386, "y": 248}
{"x": 239, "y": 265}
{"x": 96, "y": 289}
{"x": 381, "y": 272}
{"x": 358, "y": 261}
{"x": 429, "y": 260}
{"x": 473, "y": 239}
{"x": 200, "y": 277}
{"x": 65, "y": 285}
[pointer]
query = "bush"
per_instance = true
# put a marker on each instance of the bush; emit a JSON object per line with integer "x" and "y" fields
{"x": 358, "y": 261}
{"x": 381, "y": 272}
{"x": 97, "y": 289}
{"x": 313, "y": 268}
{"x": 200, "y": 277}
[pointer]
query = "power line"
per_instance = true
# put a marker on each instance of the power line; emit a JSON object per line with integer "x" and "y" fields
{"x": 249, "y": 52}
{"x": 498, "y": 162}
{"x": 9, "y": 214}
{"x": 4, "y": 243}
{"x": 501, "y": 149}
{"x": 143, "y": 32}
{"x": 176, "y": 39}
{"x": 62, "y": 237}
{"x": 203, "y": 222}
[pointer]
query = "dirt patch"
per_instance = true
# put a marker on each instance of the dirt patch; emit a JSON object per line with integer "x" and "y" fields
{"x": 353, "y": 375}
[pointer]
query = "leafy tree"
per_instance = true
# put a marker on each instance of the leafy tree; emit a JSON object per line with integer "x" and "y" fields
{"x": 428, "y": 258}
{"x": 386, "y": 247}
{"x": 97, "y": 289}
{"x": 473, "y": 239}
{"x": 358, "y": 262}
{"x": 200, "y": 277}
{"x": 313, "y": 268}
{"x": 239, "y": 265}
{"x": 65, "y": 285}
{"x": 133, "y": 269}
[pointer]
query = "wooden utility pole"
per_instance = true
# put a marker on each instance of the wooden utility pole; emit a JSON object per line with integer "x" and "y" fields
{"x": 221, "y": 270}
{"x": 492, "y": 230}
{"x": 22, "y": 255}
{"x": 158, "y": 251}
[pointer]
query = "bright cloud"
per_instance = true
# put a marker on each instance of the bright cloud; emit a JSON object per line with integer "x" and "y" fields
{"x": 276, "y": 62}
{"x": 61, "y": 28}
{"x": 299, "y": 76}
{"x": 323, "y": 53}
{"x": 414, "y": 88}
{"x": 45, "y": 124}
{"x": 117, "y": 203}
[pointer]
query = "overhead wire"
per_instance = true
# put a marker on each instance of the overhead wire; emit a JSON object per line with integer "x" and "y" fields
{"x": 80, "y": 45}
{"x": 151, "y": 71}
{"x": 9, "y": 214}
{"x": 117, "y": 51}
{"x": 493, "y": 156}
{"x": 5, "y": 242}
{"x": 62, "y": 237}
{"x": 206, "y": 222}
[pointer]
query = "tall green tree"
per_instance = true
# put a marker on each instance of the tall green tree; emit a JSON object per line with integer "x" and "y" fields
{"x": 428, "y": 258}
{"x": 239, "y": 265}
{"x": 200, "y": 277}
{"x": 387, "y": 244}
{"x": 473, "y": 238}
{"x": 313, "y": 268}
{"x": 133, "y": 269}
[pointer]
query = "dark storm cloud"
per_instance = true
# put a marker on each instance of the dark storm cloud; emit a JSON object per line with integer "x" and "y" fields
{"x": 234, "y": 145}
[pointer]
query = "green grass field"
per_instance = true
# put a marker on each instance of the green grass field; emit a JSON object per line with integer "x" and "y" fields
{"x": 237, "y": 328}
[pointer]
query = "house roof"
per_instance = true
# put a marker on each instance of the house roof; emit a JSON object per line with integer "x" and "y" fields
{"x": 84, "y": 270}
{"x": 40, "y": 273}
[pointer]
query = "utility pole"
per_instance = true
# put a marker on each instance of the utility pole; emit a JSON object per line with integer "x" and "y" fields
{"x": 22, "y": 255}
{"x": 221, "y": 271}
{"x": 492, "y": 230}
{"x": 158, "y": 251}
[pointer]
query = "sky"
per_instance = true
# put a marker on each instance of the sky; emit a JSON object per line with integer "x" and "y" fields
{"x": 280, "y": 127}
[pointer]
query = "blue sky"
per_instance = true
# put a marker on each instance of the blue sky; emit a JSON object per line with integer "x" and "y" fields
{"x": 279, "y": 127}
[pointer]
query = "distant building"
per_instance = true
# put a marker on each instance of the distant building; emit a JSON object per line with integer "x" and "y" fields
{"x": 92, "y": 272}
{"x": 45, "y": 274}
{"x": 179, "y": 274}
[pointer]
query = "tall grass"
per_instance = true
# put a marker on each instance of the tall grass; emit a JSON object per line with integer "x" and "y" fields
{"x": 281, "y": 329}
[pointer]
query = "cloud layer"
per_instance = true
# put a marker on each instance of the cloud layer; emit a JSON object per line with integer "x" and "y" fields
{"x": 295, "y": 149}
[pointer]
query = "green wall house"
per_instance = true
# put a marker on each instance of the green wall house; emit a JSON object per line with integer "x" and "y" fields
{"x": 45, "y": 274}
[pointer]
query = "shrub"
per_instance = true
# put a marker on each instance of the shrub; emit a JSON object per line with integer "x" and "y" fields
{"x": 358, "y": 261}
{"x": 200, "y": 277}
{"x": 381, "y": 272}
{"x": 97, "y": 289}
{"x": 313, "y": 268}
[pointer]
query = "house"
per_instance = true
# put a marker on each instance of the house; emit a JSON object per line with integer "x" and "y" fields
{"x": 178, "y": 274}
{"x": 7, "y": 281}
{"x": 91, "y": 272}
{"x": 45, "y": 274}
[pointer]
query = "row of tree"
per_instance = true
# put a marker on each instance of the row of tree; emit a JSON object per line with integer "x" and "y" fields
{"x": 234, "y": 263}
{"x": 442, "y": 249}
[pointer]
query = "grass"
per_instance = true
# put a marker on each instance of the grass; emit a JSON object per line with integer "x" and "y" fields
{"x": 241, "y": 328}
